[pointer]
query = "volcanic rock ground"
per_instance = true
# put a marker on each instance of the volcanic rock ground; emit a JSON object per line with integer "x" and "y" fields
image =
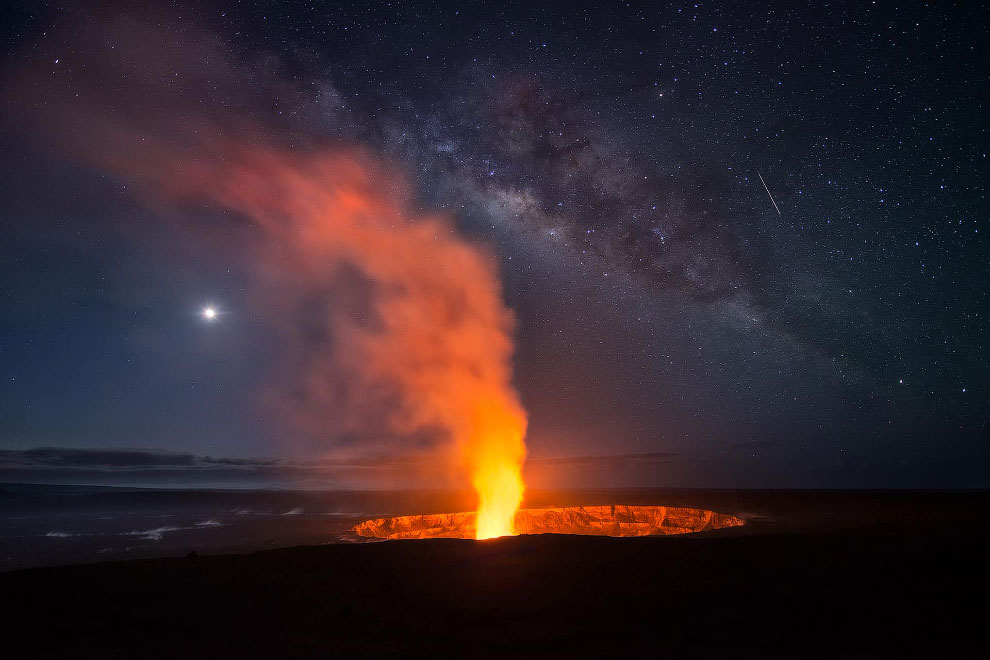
{"x": 854, "y": 575}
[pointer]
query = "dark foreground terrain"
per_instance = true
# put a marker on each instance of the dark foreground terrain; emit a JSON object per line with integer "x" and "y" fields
{"x": 855, "y": 575}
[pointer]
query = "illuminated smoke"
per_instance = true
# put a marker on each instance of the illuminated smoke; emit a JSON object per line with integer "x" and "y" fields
{"x": 435, "y": 351}
{"x": 394, "y": 329}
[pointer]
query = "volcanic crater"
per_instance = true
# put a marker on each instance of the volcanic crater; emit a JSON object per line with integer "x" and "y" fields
{"x": 614, "y": 520}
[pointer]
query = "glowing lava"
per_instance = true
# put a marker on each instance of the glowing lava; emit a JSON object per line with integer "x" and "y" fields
{"x": 497, "y": 478}
{"x": 616, "y": 520}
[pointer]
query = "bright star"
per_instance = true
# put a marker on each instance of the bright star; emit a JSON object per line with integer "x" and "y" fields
{"x": 209, "y": 313}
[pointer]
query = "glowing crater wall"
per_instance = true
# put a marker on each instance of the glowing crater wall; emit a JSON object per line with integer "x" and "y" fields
{"x": 616, "y": 520}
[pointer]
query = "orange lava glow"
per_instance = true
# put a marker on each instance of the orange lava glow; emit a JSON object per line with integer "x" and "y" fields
{"x": 498, "y": 480}
{"x": 615, "y": 520}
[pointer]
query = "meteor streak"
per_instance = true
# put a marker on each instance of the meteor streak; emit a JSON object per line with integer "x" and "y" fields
{"x": 768, "y": 192}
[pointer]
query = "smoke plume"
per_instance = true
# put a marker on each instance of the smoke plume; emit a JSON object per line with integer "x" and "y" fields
{"x": 394, "y": 331}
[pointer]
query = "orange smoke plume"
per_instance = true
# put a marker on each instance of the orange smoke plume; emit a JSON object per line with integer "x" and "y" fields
{"x": 441, "y": 336}
{"x": 416, "y": 345}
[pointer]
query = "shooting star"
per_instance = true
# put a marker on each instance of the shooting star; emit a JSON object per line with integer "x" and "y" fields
{"x": 768, "y": 192}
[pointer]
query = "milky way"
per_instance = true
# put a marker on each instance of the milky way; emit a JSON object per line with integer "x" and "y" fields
{"x": 832, "y": 335}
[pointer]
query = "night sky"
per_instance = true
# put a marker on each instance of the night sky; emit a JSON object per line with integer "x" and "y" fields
{"x": 746, "y": 246}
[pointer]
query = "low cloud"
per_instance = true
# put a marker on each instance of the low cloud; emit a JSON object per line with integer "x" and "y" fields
{"x": 124, "y": 459}
{"x": 149, "y": 467}
{"x": 153, "y": 468}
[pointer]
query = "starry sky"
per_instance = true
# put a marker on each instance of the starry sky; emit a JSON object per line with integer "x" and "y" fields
{"x": 745, "y": 246}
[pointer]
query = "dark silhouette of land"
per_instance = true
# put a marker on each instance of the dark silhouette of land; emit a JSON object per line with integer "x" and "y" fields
{"x": 851, "y": 575}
